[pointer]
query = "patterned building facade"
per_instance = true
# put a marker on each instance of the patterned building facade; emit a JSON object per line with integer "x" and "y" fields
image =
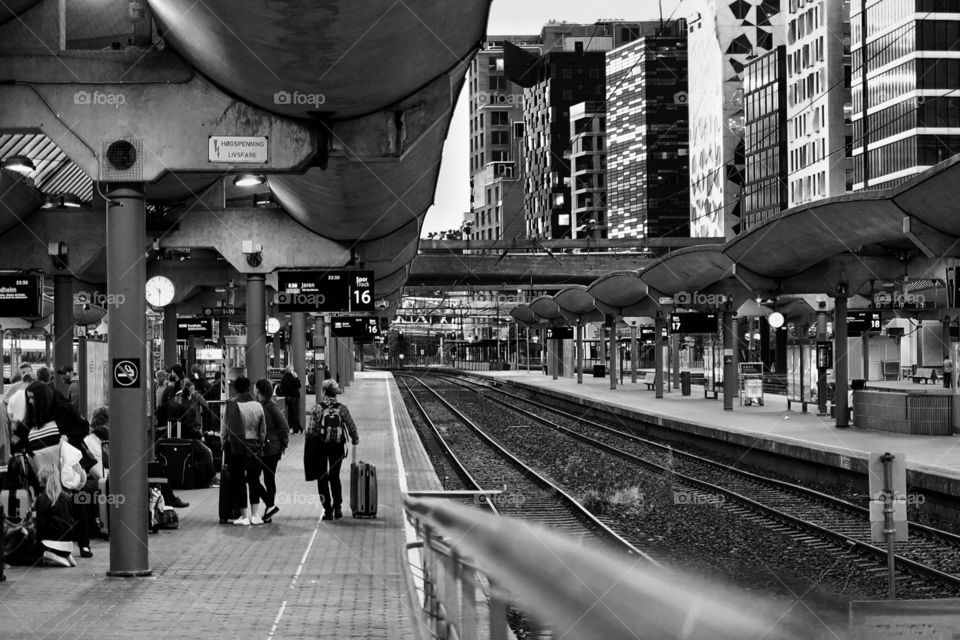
{"x": 723, "y": 36}
{"x": 648, "y": 172}
{"x": 588, "y": 163}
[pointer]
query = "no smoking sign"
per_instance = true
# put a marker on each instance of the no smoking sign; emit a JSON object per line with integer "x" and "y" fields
{"x": 126, "y": 373}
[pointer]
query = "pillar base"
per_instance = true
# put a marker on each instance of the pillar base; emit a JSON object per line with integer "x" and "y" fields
{"x": 147, "y": 573}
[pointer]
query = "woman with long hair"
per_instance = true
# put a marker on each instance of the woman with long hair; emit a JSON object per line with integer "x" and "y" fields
{"x": 55, "y": 524}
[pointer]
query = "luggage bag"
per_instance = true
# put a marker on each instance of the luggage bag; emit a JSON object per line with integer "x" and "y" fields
{"x": 177, "y": 455}
{"x": 363, "y": 488}
{"x": 228, "y": 511}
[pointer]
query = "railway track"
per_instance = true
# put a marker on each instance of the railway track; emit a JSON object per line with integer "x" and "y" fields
{"x": 928, "y": 563}
{"x": 486, "y": 465}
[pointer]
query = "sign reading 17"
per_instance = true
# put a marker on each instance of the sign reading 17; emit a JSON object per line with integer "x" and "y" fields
{"x": 675, "y": 325}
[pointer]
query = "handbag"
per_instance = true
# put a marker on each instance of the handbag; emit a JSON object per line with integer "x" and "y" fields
{"x": 72, "y": 475}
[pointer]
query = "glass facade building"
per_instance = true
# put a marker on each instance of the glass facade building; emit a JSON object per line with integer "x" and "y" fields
{"x": 765, "y": 118}
{"x": 648, "y": 128}
{"x": 905, "y": 59}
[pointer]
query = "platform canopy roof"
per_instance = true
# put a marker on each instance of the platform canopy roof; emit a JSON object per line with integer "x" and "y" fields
{"x": 859, "y": 243}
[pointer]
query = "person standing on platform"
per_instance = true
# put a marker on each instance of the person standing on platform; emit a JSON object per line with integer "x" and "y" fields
{"x": 278, "y": 437}
{"x": 290, "y": 390}
{"x": 947, "y": 372}
{"x": 242, "y": 436}
{"x": 326, "y": 447}
{"x": 73, "y": 386}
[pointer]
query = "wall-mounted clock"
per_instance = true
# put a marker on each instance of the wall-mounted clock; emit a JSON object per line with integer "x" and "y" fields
{"x": 160, "y": 291}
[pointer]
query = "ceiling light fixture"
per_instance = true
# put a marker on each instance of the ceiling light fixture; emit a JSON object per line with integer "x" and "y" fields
{"x": 20, "y": 164}
{"x": 248, "y": 180}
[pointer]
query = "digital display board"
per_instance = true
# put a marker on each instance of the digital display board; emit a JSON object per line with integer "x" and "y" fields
{"x": 355, "y": 327}
{"x": 824, "y": 355}
{"x": 559, "y": 333}
{"x": 194, "y": 327}
{"x": 20, "y": 295}
{"x": 860, "y": 321}
{"x": 693, "y": 323}
{"x": 325, "y": 291}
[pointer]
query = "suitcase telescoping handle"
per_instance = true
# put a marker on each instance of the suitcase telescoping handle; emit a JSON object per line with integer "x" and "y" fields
{"x": 353, "y": 455}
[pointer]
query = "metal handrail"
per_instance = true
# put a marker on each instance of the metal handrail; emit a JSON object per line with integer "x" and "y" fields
{"x": 575, "y": 591}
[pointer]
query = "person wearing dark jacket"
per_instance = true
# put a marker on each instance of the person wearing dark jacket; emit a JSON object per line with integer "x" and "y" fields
{"x": 322, "y": 459}
{"x": 53, "y": 515}
{"x": 290, "y": 390}
{"x": 277, "y": 439}
{"x": 242, "y": 434}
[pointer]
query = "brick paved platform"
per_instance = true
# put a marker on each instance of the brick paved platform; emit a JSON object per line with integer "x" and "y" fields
{"x": 299, "y": 577}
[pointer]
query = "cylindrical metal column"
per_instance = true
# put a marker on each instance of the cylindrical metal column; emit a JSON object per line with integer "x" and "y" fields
{"x": 821, "y": 372}
{"x": 62, "y": 327}
{"x": 865, "y": 349}
{"x": 840, "y": 368}
{"x": 170, "y": 357}
{"x": 298, "y": 345}
{"x": 256, "y": 327}
{"x": 82, "y": 382}
{"x": 126, "y": 280}
{"x": 580, "y": 352}
{"x": 675, "y": 359}
{"x": 730, "y": 382}
{"x": 553, "y": 346}
{"x": 633, "y": 354}
{"x": 320, "y": 335}
{"x": 614, "y": 352}
{"x": 658, "y": 355}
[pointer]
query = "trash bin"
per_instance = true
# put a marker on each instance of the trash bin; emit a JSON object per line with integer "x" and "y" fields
{"x": 857, "y": 384}
{"x": 599, "y": 371}
{"x": 684, "y": 383}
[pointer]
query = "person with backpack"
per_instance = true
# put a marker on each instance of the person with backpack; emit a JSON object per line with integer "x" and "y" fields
{"x": 325, "y": 448}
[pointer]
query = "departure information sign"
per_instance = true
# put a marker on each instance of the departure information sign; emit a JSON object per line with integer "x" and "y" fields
{"x": 194, "y": 327}
{"x": 693, "y": 323}
{"x": 860, "y": 321}
{"x": 560, "y": 333}
{"x": 355, "y": 327}
{"x": 20, "y": 295}
{"x": 325, "y": 291}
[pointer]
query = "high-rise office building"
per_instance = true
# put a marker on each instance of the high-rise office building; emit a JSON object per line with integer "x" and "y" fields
{"x": 588, "y": 160}
{"x": 905, "y": 78}
{"x": 723, "y": 37}
{"x": 648, "y": 161}
{"x": 570, "y": 71}
{"x": 818, "y": 89}
{"x": 496, "y": 132}
{"x": 765, "y": 137}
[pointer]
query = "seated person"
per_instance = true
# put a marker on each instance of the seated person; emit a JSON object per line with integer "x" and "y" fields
{"x": 188, "y": 408}
{"x": 50, "y": 518}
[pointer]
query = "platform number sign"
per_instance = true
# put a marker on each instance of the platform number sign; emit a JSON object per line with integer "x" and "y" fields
{"x": 126, "y": 373}
{"x": 325, "y": 291}
{"x": 693, "y": 323}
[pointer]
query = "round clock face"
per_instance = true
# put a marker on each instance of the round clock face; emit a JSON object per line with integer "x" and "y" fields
{"x": 159, "y": 291}
{"x": 273, "y": 325}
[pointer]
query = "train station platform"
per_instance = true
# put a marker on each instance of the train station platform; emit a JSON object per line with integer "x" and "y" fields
{"x": 299, "y": 577}
{"x": 932, "y": 461}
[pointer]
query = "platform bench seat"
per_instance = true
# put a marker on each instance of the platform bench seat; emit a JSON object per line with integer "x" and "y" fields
{"x": 925, "y": 374}
{"x": 650, "y": 384}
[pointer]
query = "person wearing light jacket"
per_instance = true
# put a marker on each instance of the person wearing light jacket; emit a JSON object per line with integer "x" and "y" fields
{"x": 242, "y": 435}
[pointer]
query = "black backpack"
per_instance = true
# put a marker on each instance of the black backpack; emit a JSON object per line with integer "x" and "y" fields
{"x": 330, "y": 425}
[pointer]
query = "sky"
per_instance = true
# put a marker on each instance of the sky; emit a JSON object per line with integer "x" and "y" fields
{"x": 509, "y": 17}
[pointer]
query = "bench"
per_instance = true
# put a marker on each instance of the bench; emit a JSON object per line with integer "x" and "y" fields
{"x": 925, "y": 374}
{"x": 650, "y": 384}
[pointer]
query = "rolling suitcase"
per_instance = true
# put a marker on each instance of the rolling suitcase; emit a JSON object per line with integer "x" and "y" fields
{"x": 177, "y": 455}
{"x": 228, "y": 511}
{"x": 363, "y": 488}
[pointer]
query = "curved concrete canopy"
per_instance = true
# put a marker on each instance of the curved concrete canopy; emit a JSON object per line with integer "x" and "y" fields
{"x": 338, "y": 58}
{"x": 618, "y": 290}
{"x": 523, "y": 313}
{"x": 18, "y": 198}
{"x": 577, "y": 305}
{"x": 545, "y": 307}
{"x": 358, "y": 199}
{"x": 802, "y": 237}
{"x": 688, "y": 269}
{"x": 933, "y": 195}
{"x": 13, "y": 8}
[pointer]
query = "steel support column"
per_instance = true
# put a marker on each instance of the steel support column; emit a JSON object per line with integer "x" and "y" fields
{"x": 298, "y": 345}
{"x": 256, "y": 327}
{"x": 822, "y": 372}
{"x": 841, "y": 367}
{"x": 170, "y": 335}
{"x": 658, "y": 355}
{"x": 126, "y": 280}
{"x": 730, "y": 381}
{"x": 62, "y": 327}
